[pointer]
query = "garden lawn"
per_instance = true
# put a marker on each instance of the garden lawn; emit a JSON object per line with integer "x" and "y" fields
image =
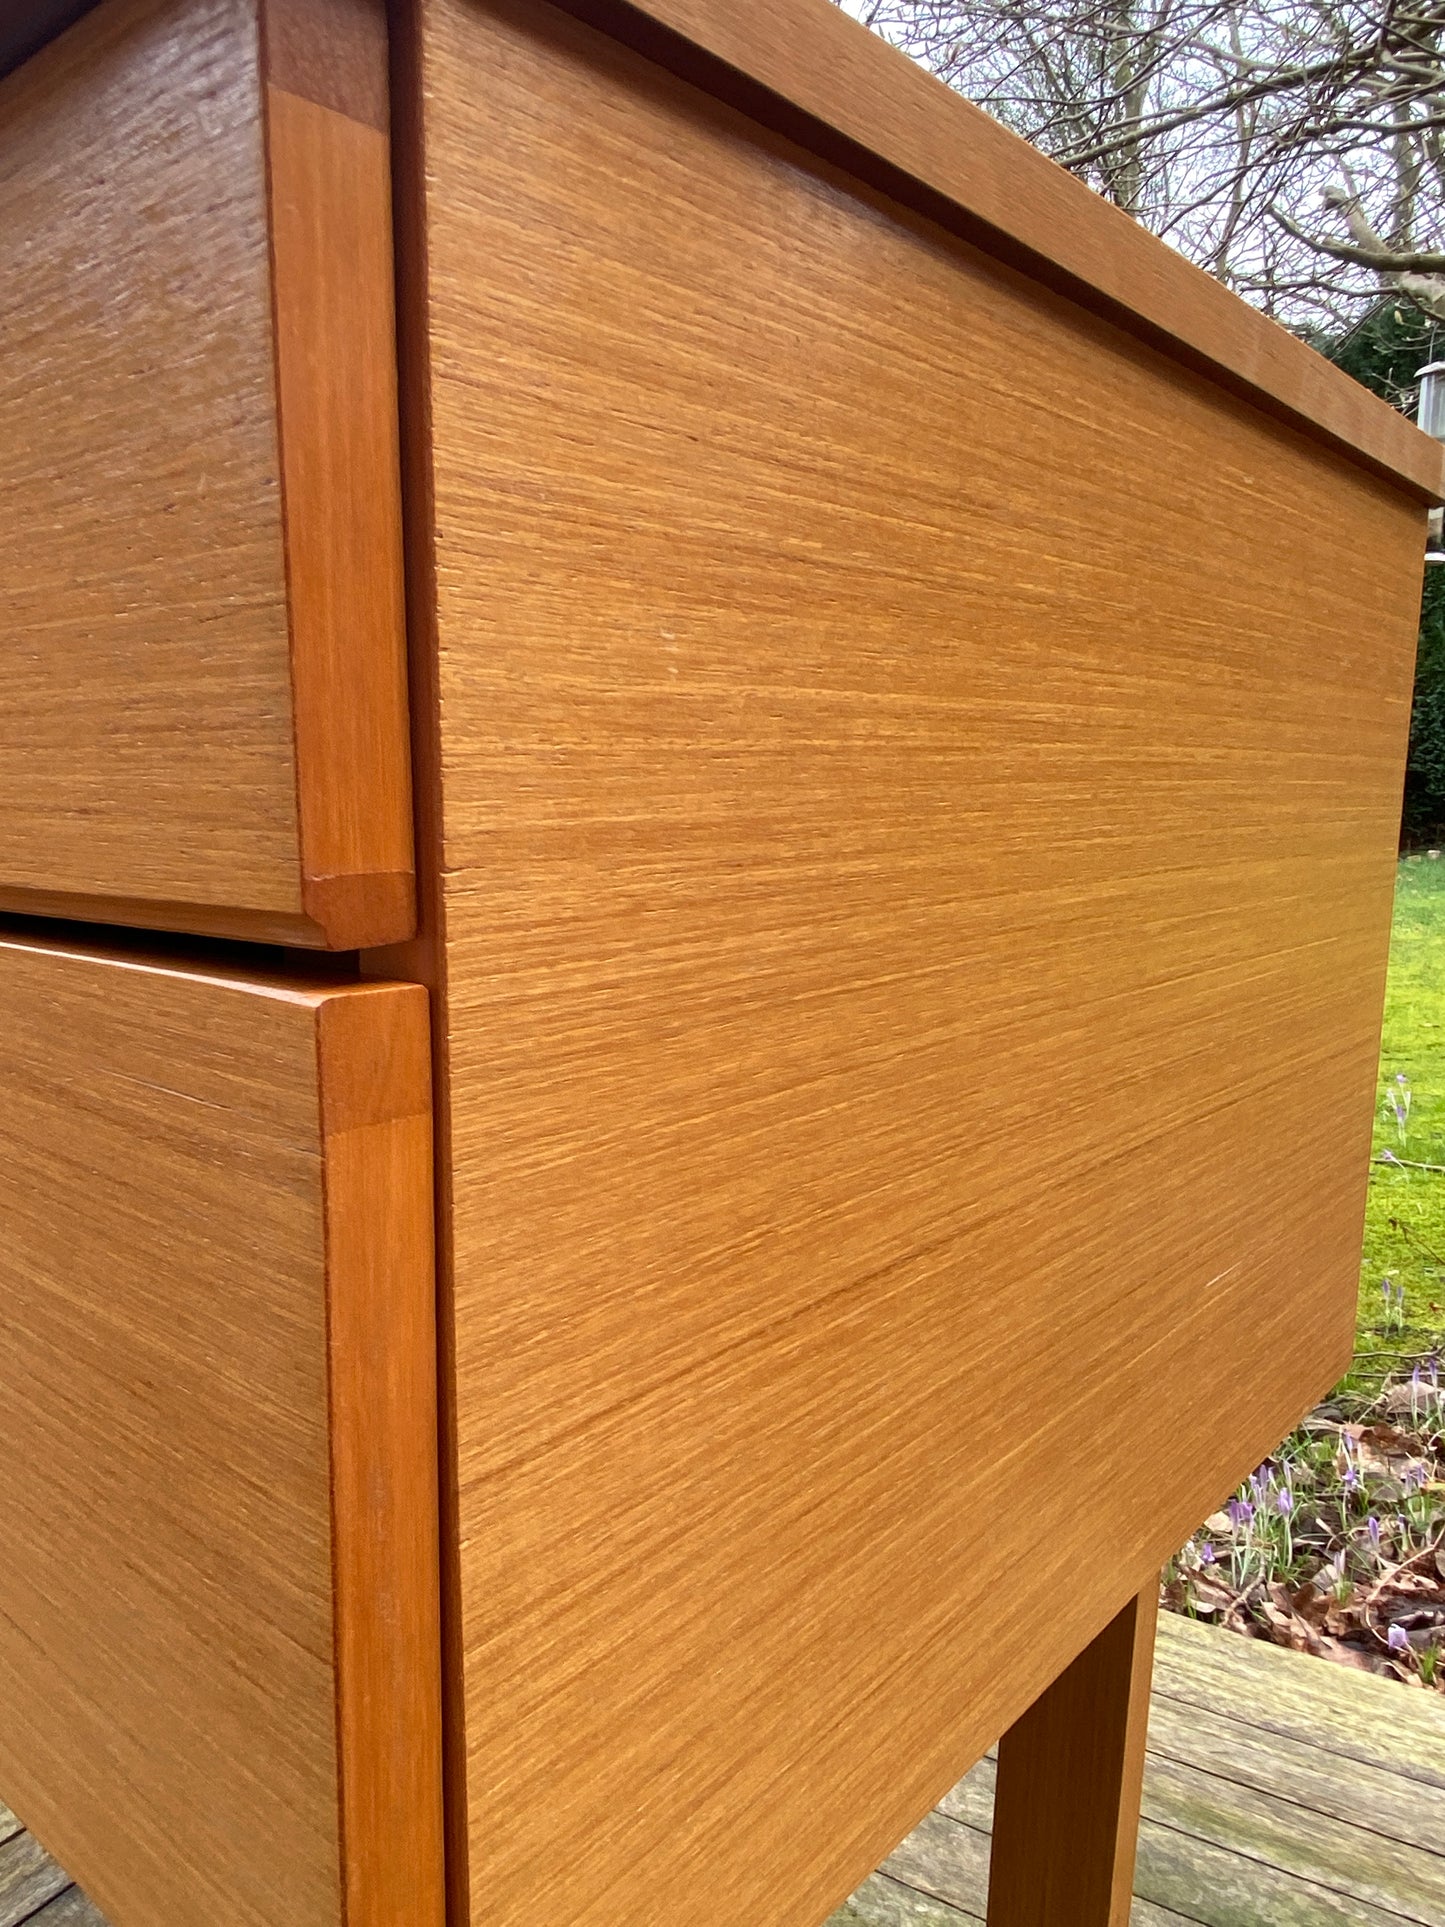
{"x": 1405, "y": 1217}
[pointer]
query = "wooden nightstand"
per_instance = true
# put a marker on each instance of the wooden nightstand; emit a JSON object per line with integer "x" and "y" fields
{"x": 906, "y": 694}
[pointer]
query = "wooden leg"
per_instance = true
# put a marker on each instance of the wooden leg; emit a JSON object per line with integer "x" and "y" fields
{"x": 1066, "y": 1816}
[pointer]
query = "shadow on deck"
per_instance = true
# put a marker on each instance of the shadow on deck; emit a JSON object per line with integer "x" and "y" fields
{"x": 1280, "y": 1792}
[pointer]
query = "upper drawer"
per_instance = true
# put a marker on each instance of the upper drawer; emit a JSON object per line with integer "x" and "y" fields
{"x": 203, "y": 715}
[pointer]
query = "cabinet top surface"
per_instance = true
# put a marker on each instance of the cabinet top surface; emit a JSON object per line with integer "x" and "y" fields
{"x": 811, "y": 72}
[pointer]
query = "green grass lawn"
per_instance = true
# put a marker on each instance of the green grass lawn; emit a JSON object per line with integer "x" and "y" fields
{"x": 1405, "y": 1218}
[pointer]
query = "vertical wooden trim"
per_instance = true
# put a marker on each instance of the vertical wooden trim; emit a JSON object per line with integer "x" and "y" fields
{"x": 328, "y": 158}
{"x": 375, "y": 1079}
{"x": 423, "y": 958}
{"x": 1066, "y": 1817}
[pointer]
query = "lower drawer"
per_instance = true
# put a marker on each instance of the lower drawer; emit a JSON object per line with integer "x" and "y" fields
{"x": 218, "y": 1591}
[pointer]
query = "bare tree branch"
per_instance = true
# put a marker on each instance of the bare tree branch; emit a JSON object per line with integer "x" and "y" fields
{"x": 1382, "y": 259}
{"x": 1243, "y": 131}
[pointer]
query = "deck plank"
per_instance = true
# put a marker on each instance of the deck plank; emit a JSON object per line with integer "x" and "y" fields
{"x": 1309, "y": 1776}
{"x": 948, "y": 1860}
{"x": 70, "y": 1909}
{"x": 1279, "y": 1792}
{"x": 1376, "y": 1722}
{"x": 1355, "y": 1861}
{"x": 884, "y": 1902}
{"x": 1352, "y": 1861}
{"x": 28, "y": 1878}
{"x": 1221, "y": 1888}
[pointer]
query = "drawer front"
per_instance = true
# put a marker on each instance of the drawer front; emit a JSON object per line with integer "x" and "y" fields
{"x": 203, "y": 719}
{"x": 218, "y": 1592}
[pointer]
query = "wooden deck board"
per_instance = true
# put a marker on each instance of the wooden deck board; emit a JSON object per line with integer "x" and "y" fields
{"x": 28, "y": 1878}
{"x": 1329, "y": 1708}
{"x": 1308, "y": 1775}
{"x": 1361, "y": 1860}
{"x": 70, "y": 1909}
{"x": 1280, "y": 1792}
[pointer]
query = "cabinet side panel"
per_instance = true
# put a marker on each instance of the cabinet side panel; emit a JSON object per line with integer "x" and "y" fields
{"x": 919, "y": 779}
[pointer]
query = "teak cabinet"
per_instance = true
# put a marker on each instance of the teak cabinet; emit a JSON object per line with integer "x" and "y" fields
{"x": 840, "y": 711}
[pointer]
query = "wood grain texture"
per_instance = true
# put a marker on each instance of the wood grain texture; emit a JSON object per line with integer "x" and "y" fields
{"x": 914, "y": 872}
{"x": 167, "y": 696}
{"x": 419, "y": 958}
{"x": 333, "y": 53}
{"x": 1066, "y": 1806}
{"x": 217, "y": 1553}
{"x": 375, "y": 1086}
{"x": 329, "y": 183}
{"x": 814, "y": 74}
{"x": 811, "y": 73}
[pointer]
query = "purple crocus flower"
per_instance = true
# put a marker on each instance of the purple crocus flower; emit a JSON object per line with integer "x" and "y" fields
{"x": 1206, "y": 1554}
{"x": 1372, "y": 1526}
{"x": 1398, "y": 1640}
{"x": 1284, "y": 1502}
{"x": 1239, "y": 1512}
